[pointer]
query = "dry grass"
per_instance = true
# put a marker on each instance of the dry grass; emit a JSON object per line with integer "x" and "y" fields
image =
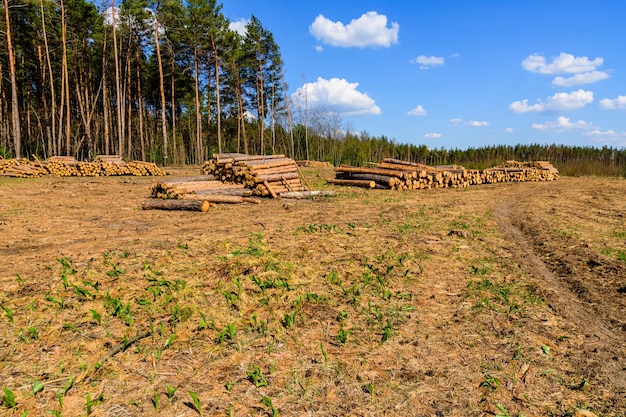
{"x": 363, "y": 304}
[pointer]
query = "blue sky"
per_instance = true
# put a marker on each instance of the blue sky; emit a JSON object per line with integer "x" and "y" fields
{"x": 457, "y": 73}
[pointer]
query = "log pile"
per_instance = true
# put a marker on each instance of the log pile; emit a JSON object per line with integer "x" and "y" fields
{"x": 264, "y": 175}
{"x": 190, "y": 191}
{"x": 68, "y": 166}
{"x": 22, "y": 168}
{"x": 402, "y": 175}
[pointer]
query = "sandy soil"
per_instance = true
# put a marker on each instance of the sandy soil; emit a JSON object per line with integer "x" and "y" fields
{"x": 511, "y": 299}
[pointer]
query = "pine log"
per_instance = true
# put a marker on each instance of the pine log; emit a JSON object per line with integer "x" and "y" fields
{"x": 381, "y": 179}
{"x": 300, "y": 195}
{"x": 220, "y": 199}
{"x": 241, "y": 192}
{"x": 269, "y": 189}
{"x": 272, "y": 164}
{"x": 354, "y": 183}
{"x": 190, "y": 205}
{"x": 412, "y": 164}
{"x": 277, "y": 170}
{"x": 400, "y": 174}
{"x": 278, "y": 177}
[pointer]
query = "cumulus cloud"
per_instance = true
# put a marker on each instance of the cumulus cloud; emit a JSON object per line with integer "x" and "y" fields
{"x": 426, "y": 62}
{"x": 562, "y": 123}
{"x": 585, "y": 70}
{"x": 578, "y": 79}
{"x": 239, "y": 26}
{"x": 455, "y": 121}
{"x": 418, "y": 111}
{"x": 558, "y": 102}
{"x": 508, "y": 130}
{"x": 337, "y": 94}
{"x": 368, "y": 30}
{"x": 477, "y": 123}
{"x": 432, "y": 135}
{"x": 319, "y": 48}
{"x": 612, "y": 104}
{"x": 607, "y": 136}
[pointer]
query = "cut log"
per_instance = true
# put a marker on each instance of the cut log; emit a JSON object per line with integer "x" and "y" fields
{"x": 241, "y": 192}
{"x": 189, "y": 205}
{"x": 279, "y": 177}
{"x": 220, "y": 199}
{"x": 300, "y": 195}
{"x": 269, "y": 189}
{"x": 354, "y": 183}
{"x": 373, "y": 171}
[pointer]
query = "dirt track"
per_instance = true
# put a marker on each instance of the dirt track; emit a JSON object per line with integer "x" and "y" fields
{"x": 562, "y": 241}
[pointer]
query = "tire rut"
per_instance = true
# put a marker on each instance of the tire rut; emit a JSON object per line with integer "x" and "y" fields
{"x": 568, "y": 298}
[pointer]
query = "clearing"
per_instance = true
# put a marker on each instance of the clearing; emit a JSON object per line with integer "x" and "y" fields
{"x": 492, "y": 300}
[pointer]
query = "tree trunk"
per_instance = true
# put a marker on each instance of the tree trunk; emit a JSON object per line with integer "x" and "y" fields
{"x": 118, "y": 92}
{"x": 198, "y": 108}
{"x": 162, "y": 88}
{"x": 15, "y": 115}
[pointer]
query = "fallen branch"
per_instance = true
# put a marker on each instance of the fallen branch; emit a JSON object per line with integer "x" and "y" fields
{"x": 112, "y": 352}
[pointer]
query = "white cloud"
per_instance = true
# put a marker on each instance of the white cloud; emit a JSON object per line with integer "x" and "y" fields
{"x": 426, "y": 62}
{"x": 558, "y": 102}
{"x": 508, "y": 130}
{"x": 578, "y": 79}
{"x": 432, "y": 135}
{"x": 338, "y": 94}
{"x": 239, "y": 26}
{"x": 562, "y": 123}
{"x": 583, "y": 68}
{"x": 418, "y": 111}
{"x": 455, "y": 121}
{"x": 617, "y": 103}
{"x": 368, "y": 30}
{"x": 477, "y": 123}
{"x": 562, "y": 64}
{"x": 608, "y": 136}
{"x": 319, "y": 48}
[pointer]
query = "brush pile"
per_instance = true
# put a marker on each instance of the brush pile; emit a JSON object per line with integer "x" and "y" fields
{"x": 68, "y": 166}
{"x": 402, "y": 175}
{"x": 264, "y": 175}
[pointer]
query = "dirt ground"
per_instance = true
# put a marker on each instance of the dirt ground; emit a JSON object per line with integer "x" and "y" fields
{"x": 502, "y": 299}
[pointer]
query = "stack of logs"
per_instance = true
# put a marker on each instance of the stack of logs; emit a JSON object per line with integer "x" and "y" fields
{"x": 402, "y": 175}
{"x": 264, "y": 175}
{"x": 202, "y": 187}
{"x": 21, "y": 168}
{"x": 68, "y": 166}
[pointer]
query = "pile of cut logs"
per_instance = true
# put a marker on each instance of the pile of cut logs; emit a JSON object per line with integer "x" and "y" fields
{"x": 68, "y": 166}
{"x": 21, "y": 168}
{"x": 264, "y": 175}
{"x": 402, "y": 175}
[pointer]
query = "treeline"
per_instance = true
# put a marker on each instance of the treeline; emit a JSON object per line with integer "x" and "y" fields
{"x": 363, "y": 150}
{"x": 168, "y": 81}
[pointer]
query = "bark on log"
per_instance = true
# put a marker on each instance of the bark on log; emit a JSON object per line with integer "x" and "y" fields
{"x": 241, "y": 192}
{"x": 189, "y": 205}
{"x": 300, "y": 195}
{"x": 278, "y": 177}
{"x": 269, "y": 189}
{"x": 389, "y": 172}
{"x": 354, "y": 183}
{"x": 220, "y": 199}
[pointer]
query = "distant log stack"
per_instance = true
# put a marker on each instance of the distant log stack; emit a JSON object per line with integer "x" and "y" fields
{"x": 68, "y": 166}
{"x": 264, "y": 175}
{"x": 402, "y": 175}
